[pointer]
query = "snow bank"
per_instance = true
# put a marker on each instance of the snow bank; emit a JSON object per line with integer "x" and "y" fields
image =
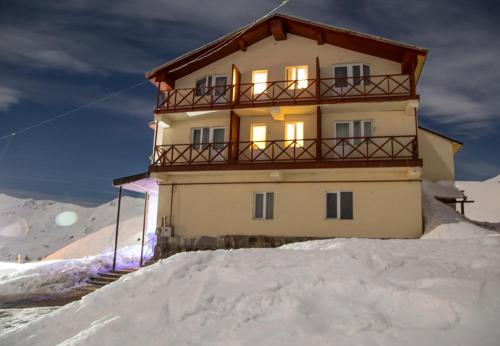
{"x": 56, "y": 276}
{"x": 342, "y": 292}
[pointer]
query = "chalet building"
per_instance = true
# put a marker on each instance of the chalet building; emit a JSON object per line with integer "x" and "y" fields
{"x": 292, "y": 128}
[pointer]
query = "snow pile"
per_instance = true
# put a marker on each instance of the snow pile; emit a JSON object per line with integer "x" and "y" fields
{"x": 442, "y": 221}
{"x": 342, "y": 292}
{"x": 36, "y": 228}
{"x": 56, "y": 276}
{"x": 486, "y": 197}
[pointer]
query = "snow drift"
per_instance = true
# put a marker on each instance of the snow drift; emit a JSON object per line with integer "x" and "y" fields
{"x": 342, "y": 292}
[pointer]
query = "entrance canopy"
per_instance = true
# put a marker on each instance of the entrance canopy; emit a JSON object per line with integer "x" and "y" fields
{"x": 138, "y": 183}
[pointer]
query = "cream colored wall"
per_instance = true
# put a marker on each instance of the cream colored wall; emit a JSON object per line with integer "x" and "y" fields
{"x": 382, "y": 209}
{"x": 437, "y": 155}
{"x": 276, "y": 129}
{"x": 275, "y": 56}
{"x": 180, "y": 131}
{"x": 384, "y": 123}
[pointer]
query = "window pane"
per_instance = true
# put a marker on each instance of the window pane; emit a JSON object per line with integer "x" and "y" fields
{"x": 367, "y": 127}
{"x": 302, "y": 77}
{"x": 299, "y": 134}
{"x": 259, "y": 206}
{"x": 259, "y": 79}
{"x": 209, "y": 85}
{"x": 220, "y": 86}
{"x": 357, "y": 132}
{"x": 205, "y": 137}
{"x": 356, "y": 74}
{"x": 331, "y": 205}
{"x": 218, "y": 138}
{"x": 346, "y": 205}
{"x": 291, "y": 76}
{"x": 342, "y": 130}
{"x": 200, "y": 86}
{"x": 259, "y": 136}
{"x": 340, "y": 75}
{"x": 270, "y": 205}
{"x": 290, "y": 133}
{"x": 196, "y": 138}
{"x": 366, "y": 74}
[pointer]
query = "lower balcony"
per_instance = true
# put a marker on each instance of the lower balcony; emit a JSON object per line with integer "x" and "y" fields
{"x": 377, "y": 151}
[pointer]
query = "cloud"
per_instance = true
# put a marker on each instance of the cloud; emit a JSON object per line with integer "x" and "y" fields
{"x": 8, "y": 97}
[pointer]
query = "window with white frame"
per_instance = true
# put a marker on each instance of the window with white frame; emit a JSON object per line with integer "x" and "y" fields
{"x": 263, "y": 208}
{"x": 294, "y": 134}
{"x": 216, "y": 83}
{"x": 339, "y": 205}
{"x": 353, "y": 128}
{"x": 351, "y": 75}
{"x": 296, "y": 77}
{"x": 258, "y": 136}
{"x": 259, "y": 80}
{"x": 202, "y": 136}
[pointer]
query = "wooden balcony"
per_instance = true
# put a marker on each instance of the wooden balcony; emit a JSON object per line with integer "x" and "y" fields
{"x": 279, "y": 93}
{"x": 391, "y": 151}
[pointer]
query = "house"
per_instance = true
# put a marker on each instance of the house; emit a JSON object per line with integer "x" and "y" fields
{"x": 292, "y": 128}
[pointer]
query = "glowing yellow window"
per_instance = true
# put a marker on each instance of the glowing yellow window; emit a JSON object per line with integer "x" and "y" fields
{"x": 259, "y": 80}
{"x": 295, "y": 134}
{"x": 297, "y": 76}
{"x": 259, "y": 136}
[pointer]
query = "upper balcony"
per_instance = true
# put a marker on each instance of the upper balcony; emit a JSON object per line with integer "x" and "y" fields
{"x": 288, "y": 93}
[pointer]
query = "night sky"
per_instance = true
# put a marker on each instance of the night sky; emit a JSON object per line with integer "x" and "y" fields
{"x": 58, "y": 55}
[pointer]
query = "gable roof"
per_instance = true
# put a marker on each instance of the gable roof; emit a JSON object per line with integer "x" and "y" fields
{"x": 411, "y": 57}
{"x": 455, "y": 143}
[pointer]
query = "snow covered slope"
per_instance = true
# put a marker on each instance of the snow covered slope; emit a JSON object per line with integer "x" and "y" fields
{"x": 36, "y": 228}
{"x": 341, "y": 292}
{"x": 486, "y": 195}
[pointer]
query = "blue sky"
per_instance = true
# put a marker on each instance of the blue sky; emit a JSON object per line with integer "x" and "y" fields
{"x": 58, "y": 55}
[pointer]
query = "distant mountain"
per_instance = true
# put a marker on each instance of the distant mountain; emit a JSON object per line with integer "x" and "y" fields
{"x": 493, "y": 180}
{"x": 37, "y": 228}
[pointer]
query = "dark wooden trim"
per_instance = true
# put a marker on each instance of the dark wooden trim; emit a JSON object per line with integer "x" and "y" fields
{"x": 440, "y": 135}
{"x": 319, "y": 131}
{"x": 234, "y": 136}
{"x": 130, "y": 179}
{"x": 292, "y": 103}
{"x": 278, "y": 29}
{"x": 339, "y": 37}
{"x": 242, "y": 45}
{"x": 297, "y": 182}
{"x": 288, "y": 165}
{"x": 320, "y": 38}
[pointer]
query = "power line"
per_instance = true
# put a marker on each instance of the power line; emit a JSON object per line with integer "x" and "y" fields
{"x": 232, "y": 37}
{"x": 74, "y": 110}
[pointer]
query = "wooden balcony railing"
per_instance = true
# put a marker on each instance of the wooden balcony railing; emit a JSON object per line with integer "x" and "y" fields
{"x": 310, "y": 91}
{"x": 284, "y": 151}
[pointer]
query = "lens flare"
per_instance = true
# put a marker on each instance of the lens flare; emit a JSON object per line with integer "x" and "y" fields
{"x": 66, "y": 218}
{"x": 18, "y": 229}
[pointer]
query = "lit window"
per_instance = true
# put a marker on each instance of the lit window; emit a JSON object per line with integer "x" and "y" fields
{"x": 339, "y": 205}
{"x": 297, "y": 76}
{"x": 259, "y": 80}
{"x": 263, "y": 208}
{"x": 259, "y": 136}
{"x": 295, "y": 134}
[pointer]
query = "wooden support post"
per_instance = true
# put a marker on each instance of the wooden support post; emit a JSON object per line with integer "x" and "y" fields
{"x": 318, "y": 81}
{"x": 318, "y": 133}
{"x": 117, "y": 226}
{"x": 234, "y": 136}
{"x": 144, "y": 222}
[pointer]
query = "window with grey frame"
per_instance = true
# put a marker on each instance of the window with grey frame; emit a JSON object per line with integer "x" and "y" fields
{"x": 339, "y": 205}
{"x": 263, "y": 206}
